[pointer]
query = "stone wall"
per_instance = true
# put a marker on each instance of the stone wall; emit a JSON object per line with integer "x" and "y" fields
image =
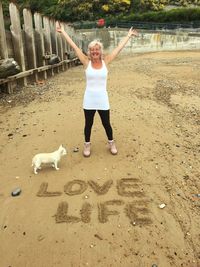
{"x": 147, "y": 41}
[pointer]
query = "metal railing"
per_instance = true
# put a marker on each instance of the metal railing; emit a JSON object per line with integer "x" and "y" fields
{"x": 140, "y": 25}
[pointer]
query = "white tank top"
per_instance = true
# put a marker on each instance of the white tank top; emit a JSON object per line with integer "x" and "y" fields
{"x": 96, "y": 96}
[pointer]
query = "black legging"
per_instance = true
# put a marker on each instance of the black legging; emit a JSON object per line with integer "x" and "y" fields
{"x": 105, "y": 119}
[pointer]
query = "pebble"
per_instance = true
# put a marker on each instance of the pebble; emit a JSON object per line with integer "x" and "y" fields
{"x": 16, "y": 192}
{"x": 161, "y": 206}
{"x": 40, "y": 238}
{"x": 76, "y": 149}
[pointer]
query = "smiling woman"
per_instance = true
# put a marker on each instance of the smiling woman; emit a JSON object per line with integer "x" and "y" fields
{"x": 95, "y": 48}
{"x": 96, "y": 96}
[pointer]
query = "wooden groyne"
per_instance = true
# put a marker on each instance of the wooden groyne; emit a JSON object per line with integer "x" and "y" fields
{"x": 32, "y": 42}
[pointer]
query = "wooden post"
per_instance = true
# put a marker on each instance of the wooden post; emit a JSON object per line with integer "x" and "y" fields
{"x": 17, "y": 38}
{"x": 47, "y": 39}
{"x": 54, "y": 41}
{"x": 40, "y": 48}
{"x": 60, "y": 49}
{"x": 3, "y": 45}
{"x": 67, "y": 29}
{"x": 53, "y": 37}
{"x": 47, "y": 36}
{"x": 30, "y": 40}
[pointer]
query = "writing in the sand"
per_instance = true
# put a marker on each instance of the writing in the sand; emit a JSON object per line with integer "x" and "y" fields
{"x": 136, "y": 210}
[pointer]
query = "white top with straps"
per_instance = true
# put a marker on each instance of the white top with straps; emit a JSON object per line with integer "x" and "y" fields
{"x": 96, "y": 96}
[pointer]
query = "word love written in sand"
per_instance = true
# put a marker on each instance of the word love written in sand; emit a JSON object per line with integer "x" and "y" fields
{"x": 136, "y": 210}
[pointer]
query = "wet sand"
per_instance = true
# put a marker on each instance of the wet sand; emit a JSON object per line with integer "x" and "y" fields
{"x": 105, "y": 210}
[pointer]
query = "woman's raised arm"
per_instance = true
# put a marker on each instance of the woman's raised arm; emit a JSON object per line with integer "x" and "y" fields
{"x": 115, "y": 52}
{"x": 82, "y": 57}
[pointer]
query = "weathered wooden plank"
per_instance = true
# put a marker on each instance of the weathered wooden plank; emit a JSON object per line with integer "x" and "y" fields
{"x": 53, "y": 36}
{"x": 17, "y": 37}
{"x": 17, "y": 76}
{"x": 43, "y": 68}
{"x": 39, "y": 38}
{"x": 47, "y": 38}
{"x": 60, "y": 46}
{"x": 67, "y": 29}
{"x": 9, "y": 44}
{"x": 30, "y": 39}
{"x": 3, "y": 44}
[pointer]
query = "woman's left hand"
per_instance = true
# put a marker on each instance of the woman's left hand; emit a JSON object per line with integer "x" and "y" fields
{"x": 132, "y": 32}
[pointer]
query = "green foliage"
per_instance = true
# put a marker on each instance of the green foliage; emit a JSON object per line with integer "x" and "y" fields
{"x": 181, "y": 15}
{"x": 88, "y": 10}
{"x": 153, "y": 4}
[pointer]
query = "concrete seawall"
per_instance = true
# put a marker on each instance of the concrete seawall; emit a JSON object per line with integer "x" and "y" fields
{"x": 147, "y": 41}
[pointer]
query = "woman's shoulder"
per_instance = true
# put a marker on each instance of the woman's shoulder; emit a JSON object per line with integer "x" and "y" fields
{"x": 104, "y": 63}
{"x": 87, "y": 64}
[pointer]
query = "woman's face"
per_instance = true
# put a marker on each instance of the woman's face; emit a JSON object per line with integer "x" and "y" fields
{"x": 95, "y": 52}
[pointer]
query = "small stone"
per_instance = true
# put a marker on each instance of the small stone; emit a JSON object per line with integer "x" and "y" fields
{"x": 98, "y": 236}
{"x": 161, "y": 206}
{"x": 76, "y": 149}
{"x": 40, "y": 238}
{"x": 16, "y": 192}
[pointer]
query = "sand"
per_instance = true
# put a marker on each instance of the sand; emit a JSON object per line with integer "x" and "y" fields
{"x": 105, "y": 210}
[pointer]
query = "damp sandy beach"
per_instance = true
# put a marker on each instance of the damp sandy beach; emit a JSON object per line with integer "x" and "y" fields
{"x": 105, "y": 210}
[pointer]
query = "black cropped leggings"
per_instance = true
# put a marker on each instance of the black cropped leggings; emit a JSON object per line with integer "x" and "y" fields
{"x": 105, "y": 119}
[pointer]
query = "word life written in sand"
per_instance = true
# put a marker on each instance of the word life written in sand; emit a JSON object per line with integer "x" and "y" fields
{"x": 136, "y": 210}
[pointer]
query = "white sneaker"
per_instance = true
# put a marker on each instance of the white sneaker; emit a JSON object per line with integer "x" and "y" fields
{"x": 112, "y": 147}
{"x": 86, "y": 149}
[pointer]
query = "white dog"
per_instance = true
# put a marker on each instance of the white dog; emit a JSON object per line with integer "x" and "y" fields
{"x": 52, "y": 158}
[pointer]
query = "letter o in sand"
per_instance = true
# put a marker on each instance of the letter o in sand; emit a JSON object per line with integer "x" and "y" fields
{"x": 68, "y": 188}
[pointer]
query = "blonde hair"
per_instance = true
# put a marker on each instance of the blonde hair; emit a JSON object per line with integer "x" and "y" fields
{"x": 92, "y": 44}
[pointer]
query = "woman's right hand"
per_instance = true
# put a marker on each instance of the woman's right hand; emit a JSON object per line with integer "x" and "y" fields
{"x": 59, "y": 27}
